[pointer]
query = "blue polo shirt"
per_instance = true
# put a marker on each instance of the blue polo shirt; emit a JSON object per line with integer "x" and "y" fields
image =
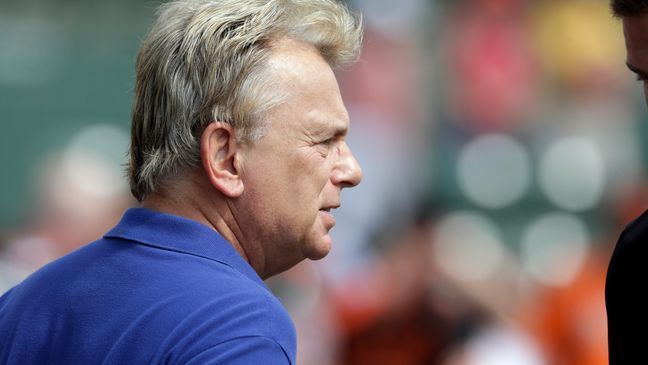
{"x": 156, "y": 289}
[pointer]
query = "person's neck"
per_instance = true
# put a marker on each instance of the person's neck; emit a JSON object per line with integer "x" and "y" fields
{"x": 213, "y": 214}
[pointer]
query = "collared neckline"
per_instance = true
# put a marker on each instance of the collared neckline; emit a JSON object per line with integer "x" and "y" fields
{"x": 176, "y": 233}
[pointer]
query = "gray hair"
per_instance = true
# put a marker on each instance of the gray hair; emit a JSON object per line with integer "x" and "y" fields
{"x": 203, "y": 61}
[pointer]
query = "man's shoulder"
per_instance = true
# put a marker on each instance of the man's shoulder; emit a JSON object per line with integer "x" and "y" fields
{"x": 634, "y": 236}
{"x": 122, "y": 271}
{"x": 180, "y": 304}
{"x": 628, "y": 261}
{"x": 241, "y": 317}
{"x": 626, "y": 307}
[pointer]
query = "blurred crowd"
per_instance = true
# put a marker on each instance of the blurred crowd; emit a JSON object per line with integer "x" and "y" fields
{"x": 502, "y": 145}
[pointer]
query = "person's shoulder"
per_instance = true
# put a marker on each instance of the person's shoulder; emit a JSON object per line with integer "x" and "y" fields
{"x": 217, "y": 304}
{"x": 232, "y": 314}
{"x": 635, "y": 235}
{"x": 184, "y": 304}
{"x": 241, "y": 350}
{"x": 238, "y": 306}
{"x": 641, "y": 220}
{"x": 630, "y": 254}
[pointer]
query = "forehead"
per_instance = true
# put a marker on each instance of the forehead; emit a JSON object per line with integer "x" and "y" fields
{"x": 309, "y": 85}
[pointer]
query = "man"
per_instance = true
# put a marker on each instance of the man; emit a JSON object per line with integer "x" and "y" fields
{"x": 627, "y": 308}
{"x": 238, "y": 157}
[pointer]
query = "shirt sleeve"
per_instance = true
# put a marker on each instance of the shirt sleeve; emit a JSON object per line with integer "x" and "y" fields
{"x": 243, "y": 351}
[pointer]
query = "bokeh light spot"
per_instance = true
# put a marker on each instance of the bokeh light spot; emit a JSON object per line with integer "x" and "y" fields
{"x": 554, "y": 248}
{"x": 94, "y": 160}
{"x": 494, "y": 170}
{"x": 572, "y": 173}
{"x": 467, "y": 246}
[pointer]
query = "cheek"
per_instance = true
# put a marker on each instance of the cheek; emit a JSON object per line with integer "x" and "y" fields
{"x": 310, "y": 187}
{"x": 324, "y": 169}
{"x": 315, "y": 178}
{"x": 307, "y": 174}
{"x": 314, "y": 166}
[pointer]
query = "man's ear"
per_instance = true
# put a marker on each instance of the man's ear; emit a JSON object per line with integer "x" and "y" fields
{"x": 221, "y": 159}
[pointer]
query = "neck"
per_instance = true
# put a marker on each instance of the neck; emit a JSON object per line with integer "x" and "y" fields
{"x": 214, "y": 213}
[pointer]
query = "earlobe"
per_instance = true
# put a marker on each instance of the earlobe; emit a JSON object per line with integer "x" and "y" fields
{"x": 219, "y": 152}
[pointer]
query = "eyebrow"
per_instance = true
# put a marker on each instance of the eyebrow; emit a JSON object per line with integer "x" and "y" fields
{"x": 331, "y": 132}
{"x": 642, "y": 74}
{"x": 338, "y": 128}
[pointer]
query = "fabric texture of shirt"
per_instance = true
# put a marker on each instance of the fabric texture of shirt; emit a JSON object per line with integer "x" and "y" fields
{"x": 156, "y": 289}
{"x": 627, "y": 308}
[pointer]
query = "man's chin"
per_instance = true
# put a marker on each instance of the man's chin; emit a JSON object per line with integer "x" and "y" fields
{"x": 320, "y": 249}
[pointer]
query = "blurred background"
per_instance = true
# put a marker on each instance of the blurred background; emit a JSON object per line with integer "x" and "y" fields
{"x": 503, "y": 144}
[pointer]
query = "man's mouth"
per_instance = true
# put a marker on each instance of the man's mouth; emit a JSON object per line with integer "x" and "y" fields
{"x": 329, "y": 218}
{"x": 329, "y": 208}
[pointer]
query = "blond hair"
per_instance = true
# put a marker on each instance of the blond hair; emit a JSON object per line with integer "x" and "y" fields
{"x": 203, "y": 61}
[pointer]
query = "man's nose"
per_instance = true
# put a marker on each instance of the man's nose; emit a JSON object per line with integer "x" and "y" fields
{"x": 347, "y": 173}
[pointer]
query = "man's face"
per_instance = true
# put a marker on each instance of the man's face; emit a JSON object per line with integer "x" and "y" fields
{"x": 635, "y": 30}
{"x": 293, "y": 176}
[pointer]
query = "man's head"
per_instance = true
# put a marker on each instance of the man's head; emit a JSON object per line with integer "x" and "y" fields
{"x": 629, "y": 8}
{"x": 206, "y": 61}
{"x": 236, "y": 102}
{"x": 634, "y": 14}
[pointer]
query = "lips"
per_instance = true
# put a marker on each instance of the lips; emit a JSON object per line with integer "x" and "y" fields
{"x": 328, "y": 208}
{"x": 328, "y": 217}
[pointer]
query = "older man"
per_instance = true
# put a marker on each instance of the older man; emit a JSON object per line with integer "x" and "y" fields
{"x": 627, "y": 308}
{"x": 238, "y": 157}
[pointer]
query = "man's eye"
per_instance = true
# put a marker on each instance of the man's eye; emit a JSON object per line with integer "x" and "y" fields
{"x": 327, "y": 142}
